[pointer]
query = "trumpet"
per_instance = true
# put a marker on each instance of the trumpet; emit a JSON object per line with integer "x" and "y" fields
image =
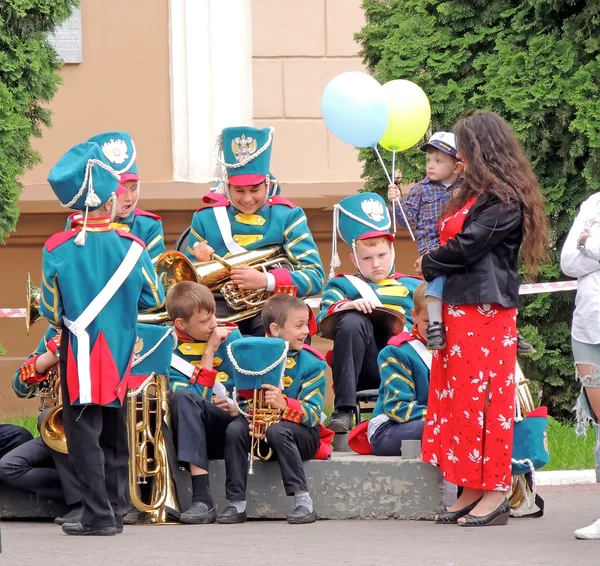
{"x": 261, "y": 418}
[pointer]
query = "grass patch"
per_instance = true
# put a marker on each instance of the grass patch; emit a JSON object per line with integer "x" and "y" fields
{"x": 27, "y": 421}
{"x": 567, "y": 450}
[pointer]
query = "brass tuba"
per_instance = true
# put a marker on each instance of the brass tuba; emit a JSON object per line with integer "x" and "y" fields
{"x": 520, "y": 491}
{"x": 173, "y": 267}
{"x": 147, "y": 410}
{"x": 52, "y": 430}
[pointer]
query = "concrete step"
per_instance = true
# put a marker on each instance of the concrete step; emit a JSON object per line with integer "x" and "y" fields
{"x": 348, "y": 486}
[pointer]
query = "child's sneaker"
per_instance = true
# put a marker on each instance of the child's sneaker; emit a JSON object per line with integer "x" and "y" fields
{"x": 522, "y": 346}
{"x": 436, "y": 336}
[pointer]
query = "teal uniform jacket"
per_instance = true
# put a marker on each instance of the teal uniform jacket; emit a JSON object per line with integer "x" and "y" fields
{"x": 404, "y": 381}
{"x": 203, "y": 380}
{"x": 395, "y": 292}
{"x": 278, "y": 222}
{"x": 72, "y": 277}
{"x": 26, "y": 377}
{"x": 145, "y": 225}
{"x": 304, "y": 387}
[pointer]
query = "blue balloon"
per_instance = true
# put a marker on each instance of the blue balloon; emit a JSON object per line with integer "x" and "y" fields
{"x": 355, "y": 109}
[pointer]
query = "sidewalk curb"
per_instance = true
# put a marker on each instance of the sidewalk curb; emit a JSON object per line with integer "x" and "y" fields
{"x": 565, "y": 477}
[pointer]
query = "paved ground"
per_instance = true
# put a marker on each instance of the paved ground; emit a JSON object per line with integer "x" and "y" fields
{"x": 354, "y": 543}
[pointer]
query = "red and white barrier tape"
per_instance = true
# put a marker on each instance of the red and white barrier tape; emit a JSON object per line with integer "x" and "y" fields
{"x": 314, "y": 302}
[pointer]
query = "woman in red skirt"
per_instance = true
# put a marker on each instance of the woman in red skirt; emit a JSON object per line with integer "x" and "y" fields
{"x": 497, "y": 215}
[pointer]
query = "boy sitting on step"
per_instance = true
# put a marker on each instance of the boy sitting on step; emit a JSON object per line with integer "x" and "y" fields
{"x": 364, "y": 224}
{"x": 199, "y": 368}
{"x": 401, "y": 406}
{"x": 299, "y": 370}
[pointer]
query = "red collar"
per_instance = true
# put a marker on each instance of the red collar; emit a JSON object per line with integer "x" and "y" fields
{"x": 97, "y": 224}
{"x": 183, "y": 337}
{"x": 415, "y": 334}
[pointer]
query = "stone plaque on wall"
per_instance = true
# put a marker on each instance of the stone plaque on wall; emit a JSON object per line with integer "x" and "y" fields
{"x": 67, "y": 39}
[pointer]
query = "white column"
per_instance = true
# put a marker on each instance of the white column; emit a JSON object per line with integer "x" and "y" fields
{"x": 211, "y": 79}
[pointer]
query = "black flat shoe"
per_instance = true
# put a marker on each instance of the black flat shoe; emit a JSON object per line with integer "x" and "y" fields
{"x": 73, "y": 516}
{"x": 230, "y": 516}
{"x": 452, "y": 517}
{"x": 86, "y": 530}
{"x": 498, "y": 516}
{"x": 199, "y": 514}
{"x": 301, "y": 516}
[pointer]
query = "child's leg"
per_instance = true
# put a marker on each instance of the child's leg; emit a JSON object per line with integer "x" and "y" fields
{"x": 436, "y": 337}
{"x": 237, "y": 446}
{"x": 387, "y": 439}
{"x": 354, "y": 356}
{"x": 292, "y": 444}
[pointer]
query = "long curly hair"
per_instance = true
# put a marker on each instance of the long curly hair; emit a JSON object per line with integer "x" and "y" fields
{"x": 495, "y": 164}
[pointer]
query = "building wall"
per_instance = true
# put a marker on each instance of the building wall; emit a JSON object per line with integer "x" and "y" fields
{"x": 297, "y": 47}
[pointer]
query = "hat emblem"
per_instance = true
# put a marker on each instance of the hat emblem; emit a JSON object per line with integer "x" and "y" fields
{"x": 373, "y": 209}
{"x": 243, "y": 147}
{"x": 115, "y": 151}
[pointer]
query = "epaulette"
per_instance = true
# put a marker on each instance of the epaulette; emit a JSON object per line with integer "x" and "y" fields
{"x": 129, "y": 235}
{"x": 400, "y": 339}
{"x": 280, "y": 200}
{"x": 140, "y": 212}
{"x": 54, "y": 241}
{"x": 342, "y": 274}
{"x": 314, "y": 352}
{"x": 400, "y": 275}
{"x": 214, "y": 199}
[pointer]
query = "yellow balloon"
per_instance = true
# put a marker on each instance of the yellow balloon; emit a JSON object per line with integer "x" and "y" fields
{"x": 410, "y": 115}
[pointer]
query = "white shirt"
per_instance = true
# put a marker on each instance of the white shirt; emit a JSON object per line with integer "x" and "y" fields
{"x": 585, "y": 265}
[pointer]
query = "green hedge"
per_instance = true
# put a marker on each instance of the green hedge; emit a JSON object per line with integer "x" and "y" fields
{"x": 537, "y": 63}
{"x": 28, "y": 79}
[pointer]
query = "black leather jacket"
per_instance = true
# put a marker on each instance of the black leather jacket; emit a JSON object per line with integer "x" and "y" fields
{"x": 481, "y": 263}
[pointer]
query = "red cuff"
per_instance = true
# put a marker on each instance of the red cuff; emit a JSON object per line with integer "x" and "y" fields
{"x": 332, "y": 308}
{"x": 29, "y": 374}
{"x": 293, "y": 411}
{"x": 283, "y": 278}
{"x": 204, "y": 377}
{"x": 53, "y": 344}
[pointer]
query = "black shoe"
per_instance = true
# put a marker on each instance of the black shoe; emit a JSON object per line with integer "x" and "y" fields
{"x": 86, "y": 530}
{"x": 498, "y": 516}
{"x": 301, "y": 516}
{"x": 73, "y": 516}
{"x": 340, "y": 421}
{"x": 452, "y": 517}
{"x": 199, "y": 514}
{"x": 522, "y": 346}
{"x": 436, "y": 336}
{"x": 230, "y": 516}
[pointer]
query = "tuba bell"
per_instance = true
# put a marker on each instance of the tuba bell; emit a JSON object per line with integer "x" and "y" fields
{"x": 52, "y": 430}
{"x": 147, "y": 410}
{"x": 173, "y": 267}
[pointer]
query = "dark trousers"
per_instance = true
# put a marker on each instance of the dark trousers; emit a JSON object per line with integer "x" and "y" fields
{"x": 199, "y": 428}
{"x": 98, "y": 451}
{"x": 12, "y": 436}
{"x": 35, "y": 468}
{"x": 387, "y": 439}
{"x": 291, "y": 444}
{"x": 355, "y": 350}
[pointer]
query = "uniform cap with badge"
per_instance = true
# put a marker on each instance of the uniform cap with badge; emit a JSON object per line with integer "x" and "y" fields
{"x": 244, "y": 154}
{"x": 444, "y": 141}
{"x": 82, "y": 181}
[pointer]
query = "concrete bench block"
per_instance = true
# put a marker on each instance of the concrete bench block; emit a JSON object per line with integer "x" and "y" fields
{"x": 348, "y": 486}
{"x": 20, "y": 505}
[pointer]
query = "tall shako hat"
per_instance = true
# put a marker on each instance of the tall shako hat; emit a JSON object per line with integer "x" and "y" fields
{"x": 82, "y": 181}
{"x": 359, "y": 217}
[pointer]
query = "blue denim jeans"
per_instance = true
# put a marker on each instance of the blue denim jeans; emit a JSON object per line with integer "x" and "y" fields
{"x": 435, "y": 288}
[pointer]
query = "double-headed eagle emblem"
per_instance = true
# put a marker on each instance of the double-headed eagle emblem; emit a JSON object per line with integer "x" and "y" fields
{"x": 243, "y": 147}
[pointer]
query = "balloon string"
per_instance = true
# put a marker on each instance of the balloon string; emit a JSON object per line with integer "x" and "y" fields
{"x": 399, "y": 203}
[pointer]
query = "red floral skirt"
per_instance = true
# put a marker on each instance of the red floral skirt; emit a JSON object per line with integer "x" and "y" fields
{"x": 469, "y": 430}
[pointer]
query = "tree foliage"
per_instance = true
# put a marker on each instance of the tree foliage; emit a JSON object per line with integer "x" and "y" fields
{"x": 28, "y": 79}
{"x": 536, "y": 63}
